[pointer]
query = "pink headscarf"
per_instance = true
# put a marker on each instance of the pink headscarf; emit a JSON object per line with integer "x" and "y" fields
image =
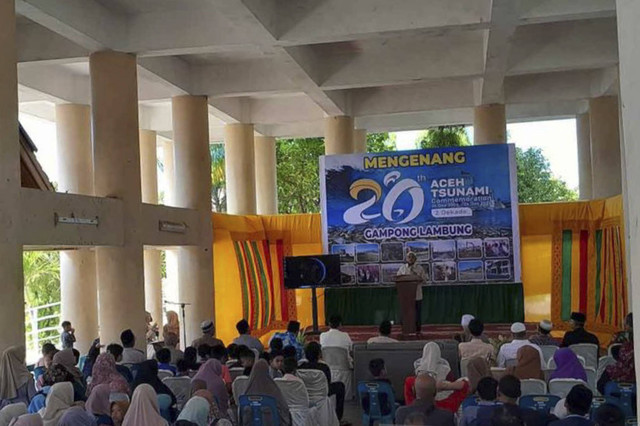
{"x": 98, "y": 402}
{"x": 27, "y": 420}
{"x": 144, "y": 408}
{"x": 104, "y": 371}
{"x": 211, "y": 373}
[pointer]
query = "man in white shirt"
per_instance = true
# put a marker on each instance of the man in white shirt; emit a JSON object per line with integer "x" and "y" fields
{"x": 384, "y": 333}
{"x": 411, "y": 268}
{"x": 334, "y": 337}
{"x": 509, "y": 351}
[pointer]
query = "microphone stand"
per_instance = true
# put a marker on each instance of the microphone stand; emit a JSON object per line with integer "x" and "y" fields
{"x": 184, "y": 324}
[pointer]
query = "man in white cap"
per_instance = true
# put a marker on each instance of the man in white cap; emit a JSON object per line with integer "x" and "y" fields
{"x": 208, "y": 335}
{"x": 464, "y": 322}
{"x": 543, "y": 336}
{"x": 509, "y": 351}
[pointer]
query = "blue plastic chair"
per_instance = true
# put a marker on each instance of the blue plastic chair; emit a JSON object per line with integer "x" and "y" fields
{"x": 81, "y": 361}
{"x": 257, "y": 404}
{"x": 631, "y": 421}
{"x": 544, "y": 403}
{"x": 470, "y": 401}
{"x": 626, "y": 394}
{"x": 164, "y": 405}
{"x": 599, "y": 401}
{"x": 38, "y": 371}
{"x": 375, "y": 411}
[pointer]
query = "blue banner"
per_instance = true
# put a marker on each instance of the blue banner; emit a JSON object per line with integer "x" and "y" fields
{"x": 455, "y": 208}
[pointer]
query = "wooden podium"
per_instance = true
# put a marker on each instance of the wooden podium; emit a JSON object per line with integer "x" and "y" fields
{"x": 406, "y": 286}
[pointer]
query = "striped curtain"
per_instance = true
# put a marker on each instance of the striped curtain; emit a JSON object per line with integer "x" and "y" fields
{"x": 589, "y": 274}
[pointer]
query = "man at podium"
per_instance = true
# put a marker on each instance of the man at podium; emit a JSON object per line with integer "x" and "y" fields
{"x": 411, "y": 268}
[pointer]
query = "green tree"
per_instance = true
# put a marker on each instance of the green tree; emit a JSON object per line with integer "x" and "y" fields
{"x": 298, "y": 180}
{"x": 42, "y": 287}
{"x": 218, "y": 181}
{"x": 381, "y": 142}
{"x": 536, "y": 183}
{"x": 443, "y": 136}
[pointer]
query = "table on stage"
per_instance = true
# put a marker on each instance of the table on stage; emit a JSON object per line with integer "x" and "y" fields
{"x": 441, "y": 304}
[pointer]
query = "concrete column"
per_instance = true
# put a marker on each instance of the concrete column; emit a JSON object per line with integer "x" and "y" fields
{"x": 360, "y": 140}
{"x": 266, "y": 175}
{"x": 240, "y": 168}
{"x": 489, "y": 124}
{"x": 605, "y": 146}
{"x": 152, "y": 261}
{"x": 584, "y": 156}
{"x": 338, "y": 135}
{"x": 78, "y": 287}
{"x": 169, "y": 173}
{"x": 193, "y": 190}
{"x": 116, "y": 153}
{"x": 11, "y": 280}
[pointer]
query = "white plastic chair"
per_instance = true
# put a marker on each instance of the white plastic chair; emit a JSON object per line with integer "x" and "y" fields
{"x": 610, "y": 348}
{"x": 239, "y": 387}
{"x": 589, "y": 352}
{"x": 603, "y": 363}
{"x": 548, "y": 351}
{"x": 464, "y": 363}
{"x": 164, "y": 374}
{"x": 533, "y": 387}
{"x": 338, "y": 360}
{"x": 511, "y": 363}
{"x": 297, "y": 397}
{"x": 316, "y": 383}
{"x": 561, "y": 387}
{"x": 591, "y": 379}
{"x": 498, "y": 372}
{"x": 181, "y": 388}
{"x": 236, "y": 372}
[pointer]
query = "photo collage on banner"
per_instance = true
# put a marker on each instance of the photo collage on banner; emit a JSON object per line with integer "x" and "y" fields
{"x": 455, "y": 208}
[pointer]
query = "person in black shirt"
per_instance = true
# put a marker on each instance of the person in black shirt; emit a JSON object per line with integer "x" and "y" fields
{"x": 313, "y": 353}
{"x": 578, "y": 334}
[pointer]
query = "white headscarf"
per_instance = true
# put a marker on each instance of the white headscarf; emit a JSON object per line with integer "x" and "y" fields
{"x": 12, "y": 411}
{"x": 432, "y": 362}
{"x": 144, "y": 408}
{"x": 13, "y": 372}
{"x": 59, "y": 400}
{"x": 196, "y": 411}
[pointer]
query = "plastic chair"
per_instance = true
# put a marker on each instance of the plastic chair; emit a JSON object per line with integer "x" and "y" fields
{"x": 626, "y": 394}
{"x": 603, "y": 363}
{"x": 464, "y": 363}
{"x": 164, "y": 405}
{"x": 239, "y": 387}
{"x": 297, "y": 399}
{"x": 533, "y": 387}
{"x": 374, "y": 411}
{"x": 257, "y": 404}
{"x": 591, "y": 379}
{"x": 631, "y": 421}
{"x": 511, "y": 363}
{"x": 589, "y": 352}
{"x": 548, "y": 351}
{"x": 551, "y": 365}
{"x": 561, "y": 387}
{"x": 236, "y": 372}
{"x": 610, "y": 349}
{"x": 600, "y": 400}
{"x": 38, "y": 371}
{"x": 164, "y": 374}
{"x": 316, "y": 383}
{"x": 498, "y": 372}
{"x": 544, "y": 403}
{"x": 181, "y": 388}
{"x": 338, "y": 360}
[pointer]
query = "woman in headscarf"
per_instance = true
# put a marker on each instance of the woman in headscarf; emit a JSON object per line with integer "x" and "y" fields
{"x": 144, "y": 408}
{"x": 92, "y": 356}
{"x": 527, "y": 364}
{"x": 623, "y": 371}
{"x": 196, "y": 411}
{"x": 76, "y": 416}
{"x": 119, "y": 411}
{"x": 568, "y": 366}
{"x": 27, "y": 420}
{"x": 477, "y": 369}
{"x": 214, "y": 411}
{"x": 261, "y": 383}
{"x": 98, "y": 404}
{"x": 59, "y": 400}
{"x": 67, "y": 359}
{"x": 172, "y": 325}
{"x": 11, "y": 412}
{"x": 148, "y": 374}
{"x": 104, "y": 371}
{"x": 16, "y": 383}
{"x": 211, "y": 373}
{"x": 58, "y": 373}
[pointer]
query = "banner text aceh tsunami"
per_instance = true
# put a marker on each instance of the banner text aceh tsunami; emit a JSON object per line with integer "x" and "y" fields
{"x": 414, "y": 160}
{"x": 448, "y": 230}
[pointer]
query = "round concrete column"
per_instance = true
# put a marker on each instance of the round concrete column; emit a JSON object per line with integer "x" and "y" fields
{"x": 489, "y": 124}
{"x": 605, "y": 146}
{"x": 584, "y": 156}
{"x": 116, "y": 153}
{"x": 152, "y": 261}
{"x": 338, "y": 135}
{"x": 240, "y": 168}
{"x": 11, "y": 280}
{"x": 193, "y": 190}
{"x": 360, "y": 140}
{"x": 78, "y": 287}
{"x": 266, "y": 175}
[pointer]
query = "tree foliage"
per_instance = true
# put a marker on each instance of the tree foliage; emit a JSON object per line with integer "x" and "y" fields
{"x": 381, "y": 142}
{"x": 298, "y": 180}
{"x": 536, "y": 183}
{"x": 443, "y": 136}
{"x": 218, "y": 181}
{"x": 41, "y": 271}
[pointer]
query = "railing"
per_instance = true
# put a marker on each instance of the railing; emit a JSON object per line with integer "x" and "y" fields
{"x": 42, "y": 326}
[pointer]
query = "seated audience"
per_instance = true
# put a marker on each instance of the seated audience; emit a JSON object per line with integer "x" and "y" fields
{"x": 204, "y": 352}
{"x": 384, "y": 331}
{"x": 232, "y": 352}
{"x": 527, "y": 364}
{"x": 464, "y": 323}
{"x": 171, "y": 341}
{"x": 290, "y": 352}
{"x": 48, "y": 350}
{"x": 77, "y": 416}
{"x": 144, "y": 408}
{"x": 92, "y": 356}
{"x": 196, "y": 411}
{"x": 609, "y": 415}
{"x": 59, "y": 400}
{"x": 118, "y": 412}
{"x": 245, "y": 338}
{"x": 334, "y": 337}
{"x": 247, "y": 359}
{"x": 507, "y": 415}
{"x": 68, "y": 360}
{"x": 130, "y": 354}
{"x": 509, "y": 351}
{"x": 57, "y": 373}
{"x": 104, "y": 371}
{"x": 425, "y": 390}
{"x": 275, "y": 364}
{"x": 378, "y": 374}
{"x": 16, "y": 383}
{"x": 623, "y": 336}
{"x": 260, "y": 383}
{"x": 487, "y": 391}
{"x": 475, "y": 347}
{"x": 208, "y": 335}
{"x": 182, "y": 369}
{"x": 568, "y": 366}
{"x": 578, "y": 404}
{"x": 148, "y": 374}
{"x": 211, "y": 374}
{"x": 578, "y": 334}
{"x": 623, "y": 371}
{"x": 191, "y": 358}
{"x": 290, "y": 338}
{"x": 219, "y": 352}
{"x": 543, "y": 336}
{"x": 164, "y": 361}
{"x": 275, "y": 344}
{"x": 477, "y": 369}
{"x": 290, "y": 367}
{"x": 377, "y": 370}
{"x": 98, "y": 404}
{"x": 313, "y": 355}
{"x": 116, "y": 350}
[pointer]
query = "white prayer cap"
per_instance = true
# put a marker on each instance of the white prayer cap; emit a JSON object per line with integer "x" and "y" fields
{"x": 466, "y": 319}
{"x": 546, "y": 325}
{"x": 518, "y": 327}
{"x": 206, "y": 326}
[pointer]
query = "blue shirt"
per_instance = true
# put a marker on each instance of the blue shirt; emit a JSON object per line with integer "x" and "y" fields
{"x": 290, "y": 339}
{"x": 169, "y": 367}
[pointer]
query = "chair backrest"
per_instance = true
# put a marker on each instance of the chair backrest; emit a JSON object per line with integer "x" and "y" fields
{"x": 589, "y": 352}
{"x": 181, "y": 388}
{"x": 591, "y": 379}
{"x": 336, "y": 357}
{"x": 464, "y": 363}
{"x": 316, "y": 383}
{"x": 239, "y": 387}
{"x": 548, "y": 351}
{"x": 511, "y": 362}
{"x": 603, "y": 363}
{"x": 498, "y": 372}
{"x": 543, "y": 403}
{"x": 257, "y": 406}
{"x": 561, "y": 387}
{"x": 597, "y": 401}
{"x": 164, "y": 374}
{"x": 294, "y": 392}
{"x": 164, "y": 405}
{"x": 236, "y": 372}
{"x": 626, "y": 394}
{"x": 610, "y": 349}
{"x": 374, "y": 390}
{"x": 533, "y": 387}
